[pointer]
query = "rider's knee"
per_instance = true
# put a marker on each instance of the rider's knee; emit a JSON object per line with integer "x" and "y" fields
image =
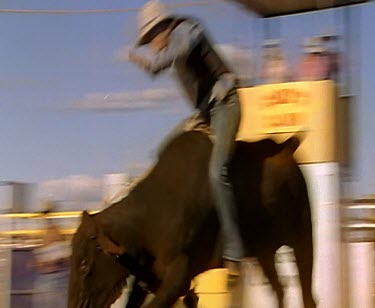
{"x": 219, "y": 175}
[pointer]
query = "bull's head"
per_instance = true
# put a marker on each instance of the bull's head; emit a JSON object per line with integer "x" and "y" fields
{"x": 96, "y": 277}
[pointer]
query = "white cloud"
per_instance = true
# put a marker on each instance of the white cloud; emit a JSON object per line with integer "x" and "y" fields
{"x": 127, "y": 101}
{"x": 240, "y": 59}
{"x": 72, "y": 188}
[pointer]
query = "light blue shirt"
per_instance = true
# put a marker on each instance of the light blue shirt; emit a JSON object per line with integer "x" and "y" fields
{"x": 182, "y": 40}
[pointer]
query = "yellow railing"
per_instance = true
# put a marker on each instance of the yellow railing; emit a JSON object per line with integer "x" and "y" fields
{"x": 70, "y": 214}
{"x": 34, "y": 232}
{"x": 38, "y": 232}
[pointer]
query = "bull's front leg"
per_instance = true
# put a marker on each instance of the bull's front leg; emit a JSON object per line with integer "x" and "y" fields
{"x": 175, "y": 283}
{"x": 137, "y": 295}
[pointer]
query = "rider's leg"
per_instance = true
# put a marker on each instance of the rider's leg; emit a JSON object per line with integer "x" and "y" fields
{"x": 225, "y": 118}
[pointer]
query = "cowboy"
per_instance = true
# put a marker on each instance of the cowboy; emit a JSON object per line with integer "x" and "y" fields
{"x": 314, "y": 64}
{"x": 181, "y": 44}
{"x": 275, "y": 67}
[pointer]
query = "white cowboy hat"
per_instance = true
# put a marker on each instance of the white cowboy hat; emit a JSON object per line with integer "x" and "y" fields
{"x": 313, "y": 45}
{"x": 151, "y": 14}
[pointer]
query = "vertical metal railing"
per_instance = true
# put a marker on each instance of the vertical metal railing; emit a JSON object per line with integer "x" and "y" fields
{"x": 358, "y": 226}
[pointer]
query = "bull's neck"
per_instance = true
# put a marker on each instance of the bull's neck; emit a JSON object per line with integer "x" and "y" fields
{"x": 118, "y": 221}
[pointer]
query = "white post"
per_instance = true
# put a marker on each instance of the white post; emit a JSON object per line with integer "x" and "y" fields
{"x": 5, "y": 265}
{"x": 323, "y": 186}
{"x": 115, "y": 187}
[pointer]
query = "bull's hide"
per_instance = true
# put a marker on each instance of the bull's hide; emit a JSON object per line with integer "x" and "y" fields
{"x": 166, "y": 230}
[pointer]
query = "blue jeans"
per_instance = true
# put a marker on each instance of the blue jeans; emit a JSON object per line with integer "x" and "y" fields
{"x": 225, "y": 118}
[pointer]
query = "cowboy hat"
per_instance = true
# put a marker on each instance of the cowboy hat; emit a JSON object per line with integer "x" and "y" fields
{"x": 313, "y": 45}
{"x": 151, "y": 15}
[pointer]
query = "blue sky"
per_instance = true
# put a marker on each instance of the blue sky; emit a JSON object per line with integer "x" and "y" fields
{"x": 58, "y": 70}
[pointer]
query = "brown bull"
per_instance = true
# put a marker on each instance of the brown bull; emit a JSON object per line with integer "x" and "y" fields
{"x": 165, "y": 232}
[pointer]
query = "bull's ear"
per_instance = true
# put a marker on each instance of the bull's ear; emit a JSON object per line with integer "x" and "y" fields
{"x": 89, "y": 224}
{"x": 109, "y": 246}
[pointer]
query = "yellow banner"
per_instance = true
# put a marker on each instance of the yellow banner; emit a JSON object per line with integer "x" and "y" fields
{"x": 279, "y": 110}
{"x": 284, "y": 110}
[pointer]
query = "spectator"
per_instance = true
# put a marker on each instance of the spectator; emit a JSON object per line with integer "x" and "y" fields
{"x": 333, "y": 55}
{"x": 51, "y": 264}
{"x": 275, "y": 67}
{"x": 314, "y": 64}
